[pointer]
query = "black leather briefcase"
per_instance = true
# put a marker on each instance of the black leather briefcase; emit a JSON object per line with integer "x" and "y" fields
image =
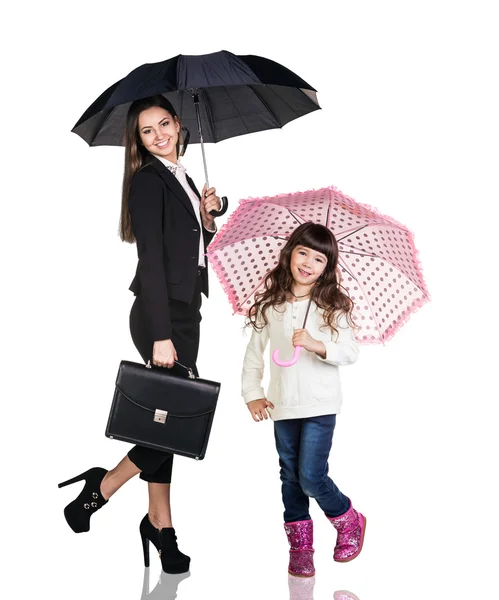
{"x": 157, "y": 409}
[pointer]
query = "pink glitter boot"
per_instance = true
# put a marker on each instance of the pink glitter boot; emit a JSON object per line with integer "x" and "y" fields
{"x": 301, "y": 552}
{"x": 351, "y": 527}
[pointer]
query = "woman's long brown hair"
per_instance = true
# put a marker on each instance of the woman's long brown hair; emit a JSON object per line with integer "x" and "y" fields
{"x": 327, "y": 292}
{"x": 137, "y": 157}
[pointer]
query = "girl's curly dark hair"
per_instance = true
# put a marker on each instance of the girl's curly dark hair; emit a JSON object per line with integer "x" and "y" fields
{"x": 327, "y": 292}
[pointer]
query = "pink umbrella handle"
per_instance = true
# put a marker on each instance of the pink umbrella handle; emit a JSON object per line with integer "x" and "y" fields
{"x": 286, "y": 363}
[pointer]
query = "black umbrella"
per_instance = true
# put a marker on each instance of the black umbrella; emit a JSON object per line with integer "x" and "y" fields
{"x": 217, "y": 96}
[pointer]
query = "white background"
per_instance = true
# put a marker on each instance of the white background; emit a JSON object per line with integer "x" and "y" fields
{"x": 409, "y": 125}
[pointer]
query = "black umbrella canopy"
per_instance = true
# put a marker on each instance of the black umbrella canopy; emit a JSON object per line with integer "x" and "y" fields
{"x": 237, "y": 95}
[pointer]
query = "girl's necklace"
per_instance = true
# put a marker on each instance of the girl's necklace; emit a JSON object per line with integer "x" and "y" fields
{"x": 304, "y": 295}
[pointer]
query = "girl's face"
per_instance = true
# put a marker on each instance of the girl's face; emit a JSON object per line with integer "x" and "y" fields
{"x": 307, "y": 265}
{"x": 159, "y": 132}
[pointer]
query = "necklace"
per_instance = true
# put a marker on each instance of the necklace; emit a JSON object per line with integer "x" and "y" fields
{"x": 304, "y": 295}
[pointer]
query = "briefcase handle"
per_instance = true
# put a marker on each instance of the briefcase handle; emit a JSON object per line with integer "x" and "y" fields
{"x": 190, "y": 372}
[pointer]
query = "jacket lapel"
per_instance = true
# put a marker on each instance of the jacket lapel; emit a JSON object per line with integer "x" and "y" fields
{"x": 193, "y": 187}
{"x": 172, "y": 183}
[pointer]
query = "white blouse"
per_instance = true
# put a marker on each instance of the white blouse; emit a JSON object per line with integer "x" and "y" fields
{"x": 311, "y": 387}
{"x": 180, "y": 173}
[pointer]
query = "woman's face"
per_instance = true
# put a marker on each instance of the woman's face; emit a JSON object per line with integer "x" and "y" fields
{"x": 307, "y": 265}
{"x": 159, "y": 132}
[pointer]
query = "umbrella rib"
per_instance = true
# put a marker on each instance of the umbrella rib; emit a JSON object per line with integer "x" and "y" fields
{"x": 352, "y": 231}
{"x": 101, "y": 123}
{"x": 297, "y": 116}
{"x": 329, "y": 209}
{"x": 181, "y": 109}
{"x": 209, "y": 112}
{"x": 362, "y": 254}
{"x": 253, "y": 292}
{"x": 390, "y": 262}
{"x": 212, "y": 249}
{"x": 237, "y": 110}
{"x": 328, "y": 213}
{"x": 296, "y": 217}
{"x": 283, "y": 100}
{"x": 365, "y": 295}
{"x": 252, "y": 88}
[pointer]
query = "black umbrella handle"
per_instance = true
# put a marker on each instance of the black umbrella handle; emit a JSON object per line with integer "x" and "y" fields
{"x": 223, "y": 210}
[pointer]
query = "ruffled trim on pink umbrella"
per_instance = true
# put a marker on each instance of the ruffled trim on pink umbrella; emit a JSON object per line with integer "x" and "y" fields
{"x": 399, "y": 324}
{"x": 225, "y": 285}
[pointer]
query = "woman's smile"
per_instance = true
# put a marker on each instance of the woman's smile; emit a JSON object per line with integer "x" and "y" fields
{"x": 159, "y": 132}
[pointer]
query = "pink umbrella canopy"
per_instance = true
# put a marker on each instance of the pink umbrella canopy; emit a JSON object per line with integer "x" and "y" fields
{"x": 379, "y": 263}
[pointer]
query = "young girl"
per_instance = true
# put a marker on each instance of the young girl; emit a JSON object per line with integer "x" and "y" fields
{"x": 304, "y": 399}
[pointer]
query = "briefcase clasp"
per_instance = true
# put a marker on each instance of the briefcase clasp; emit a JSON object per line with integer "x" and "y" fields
{"x": 160, "y": 416}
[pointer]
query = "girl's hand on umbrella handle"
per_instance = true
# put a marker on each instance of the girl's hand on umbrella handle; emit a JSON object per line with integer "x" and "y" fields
{"x": 301, "y": 337}
{"x": 258, "y": 409}
{"x": 164, "y": 354}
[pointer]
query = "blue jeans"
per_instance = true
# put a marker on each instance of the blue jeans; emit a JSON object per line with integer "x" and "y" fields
{"x": 303, "y": 446}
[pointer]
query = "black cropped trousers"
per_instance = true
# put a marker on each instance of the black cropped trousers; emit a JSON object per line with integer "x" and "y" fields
{"x": 156, "y": 466}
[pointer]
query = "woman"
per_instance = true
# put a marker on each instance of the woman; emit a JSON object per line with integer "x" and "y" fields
{"x": 163, "y": 212}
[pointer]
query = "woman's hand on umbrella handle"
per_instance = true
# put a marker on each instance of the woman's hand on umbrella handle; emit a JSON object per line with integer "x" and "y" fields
{"x": 286, "y": 363}
{"x": 258, "y": 409}
{"x": 164, "y": 354}
{"x": 223, "y": 210}
{"x": 210, "y": 202}
{"x": 212, "y": 206}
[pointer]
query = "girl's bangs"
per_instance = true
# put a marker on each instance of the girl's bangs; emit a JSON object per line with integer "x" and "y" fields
{"x": 318, "y": 239}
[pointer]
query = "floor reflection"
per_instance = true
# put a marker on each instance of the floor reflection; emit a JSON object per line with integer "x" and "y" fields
{"x": 166, "y": 588}
{"x": 302, "y": 588}
{"x": 344, "y": 595}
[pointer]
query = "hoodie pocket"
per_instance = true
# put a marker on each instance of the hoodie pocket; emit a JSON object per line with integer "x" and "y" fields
{"x": 322, "y": 389}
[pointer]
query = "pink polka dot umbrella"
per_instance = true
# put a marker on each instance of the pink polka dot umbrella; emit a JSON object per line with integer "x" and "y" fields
{"x": 378, "y": 260}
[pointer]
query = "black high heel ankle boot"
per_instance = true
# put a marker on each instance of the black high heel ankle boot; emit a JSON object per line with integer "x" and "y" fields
{"x": 79, "y": 511}
{"x": 172, "y": 560}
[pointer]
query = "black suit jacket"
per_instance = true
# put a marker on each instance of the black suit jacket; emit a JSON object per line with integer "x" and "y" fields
{"x": 167, "y": 233}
